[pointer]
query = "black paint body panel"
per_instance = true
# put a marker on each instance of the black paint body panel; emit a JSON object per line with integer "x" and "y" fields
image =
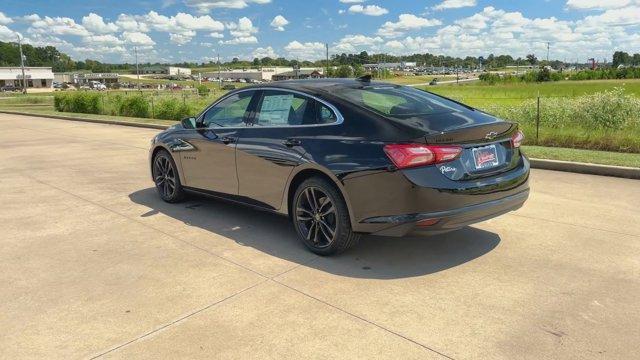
{"x": 259, "y": 167}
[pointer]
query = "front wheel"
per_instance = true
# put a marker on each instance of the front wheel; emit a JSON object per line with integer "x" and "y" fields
{"x": 321, "y": 218}
{"x": 166, "y": 178}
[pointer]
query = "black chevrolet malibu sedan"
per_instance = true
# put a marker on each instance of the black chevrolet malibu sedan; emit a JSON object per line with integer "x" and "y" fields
{"x": 343, "y": 158}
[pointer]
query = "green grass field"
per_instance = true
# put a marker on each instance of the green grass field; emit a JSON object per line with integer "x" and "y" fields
{"x": 482, "y": 95}
{"x": 585, "y": 156}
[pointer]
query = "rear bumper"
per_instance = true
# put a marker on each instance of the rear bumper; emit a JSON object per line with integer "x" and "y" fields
{"x": 449, "y": 220}
{"x": 392, "y": 202}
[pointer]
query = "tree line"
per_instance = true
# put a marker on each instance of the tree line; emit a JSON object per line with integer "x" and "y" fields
{"x": 60, "y": 62}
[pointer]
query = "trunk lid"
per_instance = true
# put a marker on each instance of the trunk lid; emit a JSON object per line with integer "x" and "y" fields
{"x": 485, "y": 141}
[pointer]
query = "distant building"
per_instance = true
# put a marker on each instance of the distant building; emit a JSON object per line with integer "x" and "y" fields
{"x": 105, "y": 78}
{"x": 36, "y": 77}
{"x": 391, "y": 66}
{"x": 263, "y": 74}
{"x": 164, "y": 70}
{"x": 85, "y": 77}
{"x": 299, "y": 74}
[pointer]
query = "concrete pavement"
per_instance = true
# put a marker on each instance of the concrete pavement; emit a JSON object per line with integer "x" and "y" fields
{"x": 93, "y": 264}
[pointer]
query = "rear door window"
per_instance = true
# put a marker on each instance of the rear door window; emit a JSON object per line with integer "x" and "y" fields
{"x": 283, "y": 108}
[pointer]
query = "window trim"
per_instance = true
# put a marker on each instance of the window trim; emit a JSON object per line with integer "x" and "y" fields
{"x": 259, "y": 91}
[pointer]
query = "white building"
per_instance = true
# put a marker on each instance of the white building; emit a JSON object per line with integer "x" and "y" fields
{"x": 165, "y": 70}
{"x": 263, "y": 74}
{"x": 405, "y": 65}
{"x": 36, "y": 77}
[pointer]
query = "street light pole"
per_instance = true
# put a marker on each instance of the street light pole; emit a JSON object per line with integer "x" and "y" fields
{"x": 24, "y": 80}
{"x": 219, "y": 72}
{"x": 135, "y": 48}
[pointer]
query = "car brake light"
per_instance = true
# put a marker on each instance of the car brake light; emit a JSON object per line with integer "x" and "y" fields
{"x": 517, "y": 138}
{"x": 411, "y": 155}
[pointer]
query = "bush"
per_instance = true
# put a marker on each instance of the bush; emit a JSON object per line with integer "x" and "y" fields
{"x": 203, "y": 90}
{"x": 609, "y": 110}
{"x": 79, "y": 102}
{"x": 172, "y": 109}
{"x": 608, "y": 120}
{"x": 135, "y": 106}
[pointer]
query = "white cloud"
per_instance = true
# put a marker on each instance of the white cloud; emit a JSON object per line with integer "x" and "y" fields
{"x": 351, "y": 1}
{"x": 102, "y": 40}
{"x": 406, "y": 22}
{"x": 130, "y": 23}
{"x": 307, "y": 50}
{"x": 263, "y": 52}
{"x": 454, "y": 4}
{"x": 182, "y": 38}
{"x": 241, "y": 40}
{"x": 243, "y": 28}
{"x": 216, "y": 35}
{"x": 180, "y": 23}
{"x": 4, "y": 19}
{"x": 205, "y": 6}
{"x": 356, "y": 43}
{"x": 279, "y": 22}
{"x": 56, "y": 26}
{"x": 371, "y": 10}
{"x": 95, "y": 23}
{"x": 137, "y": 38}
{"x": 7, "y": 35}
{"x": 597, "y": 4}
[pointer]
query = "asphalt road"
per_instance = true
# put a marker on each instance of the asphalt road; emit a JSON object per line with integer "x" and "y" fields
{"x": 93, "y": 264}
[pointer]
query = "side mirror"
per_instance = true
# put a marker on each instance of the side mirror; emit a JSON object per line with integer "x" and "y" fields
{"x": 189, "y": 123}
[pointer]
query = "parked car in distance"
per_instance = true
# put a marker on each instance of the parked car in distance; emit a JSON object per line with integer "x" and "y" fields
{"x": 344, "y": 158}
{"x": 9, "y": 88}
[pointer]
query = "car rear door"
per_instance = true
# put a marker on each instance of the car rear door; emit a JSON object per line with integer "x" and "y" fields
{"x": 273, "y": 143}
{"x": 209, "y": 160}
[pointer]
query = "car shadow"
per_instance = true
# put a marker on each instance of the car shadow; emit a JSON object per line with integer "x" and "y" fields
{"x": 375, "y": 257}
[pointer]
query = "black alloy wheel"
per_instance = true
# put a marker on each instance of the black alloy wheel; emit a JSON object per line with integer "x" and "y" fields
{"x": 166, "y": 178}
{"x": 321, "y": 218}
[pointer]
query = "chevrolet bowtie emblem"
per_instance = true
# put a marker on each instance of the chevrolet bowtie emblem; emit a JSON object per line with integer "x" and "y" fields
{"x": 490, "y": 136}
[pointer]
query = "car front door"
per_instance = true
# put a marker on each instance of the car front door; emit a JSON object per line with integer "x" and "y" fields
{"x": 210, "y": 161}
{"x": 272, "y": 144}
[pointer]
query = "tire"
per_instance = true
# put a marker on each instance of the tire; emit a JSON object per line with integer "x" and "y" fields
{"x": 166, "y": 177}
{"x": 321, "y": 218}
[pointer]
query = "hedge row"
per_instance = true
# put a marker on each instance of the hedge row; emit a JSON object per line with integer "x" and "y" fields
{"x": 137, "y": 105}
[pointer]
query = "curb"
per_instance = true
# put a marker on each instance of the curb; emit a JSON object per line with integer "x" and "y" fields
{"x": 97, "y": 121}
{"x": 544, "y": 164}
{"x": 585, "y": 168}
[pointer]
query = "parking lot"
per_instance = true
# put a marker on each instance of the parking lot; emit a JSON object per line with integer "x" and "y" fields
{"x": 94, "y": 264}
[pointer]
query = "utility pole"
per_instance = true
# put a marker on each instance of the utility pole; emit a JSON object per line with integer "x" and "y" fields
{"x": 219, "y": 71}
{"x": 548, "y": 45}
{"x": 24, "y": 78}
{"x": 326, "y": 45}
{"x": 135, "y": 48}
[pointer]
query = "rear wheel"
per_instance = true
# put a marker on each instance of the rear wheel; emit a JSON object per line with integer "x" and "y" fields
{"x": 321, "y": 218}
{"x": 166, "y": 178}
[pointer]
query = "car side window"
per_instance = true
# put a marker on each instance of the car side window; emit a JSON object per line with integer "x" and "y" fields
{"x": 324, "y": 115}
{"x": 282, "y": 108}
{"x": 230, "y": 112}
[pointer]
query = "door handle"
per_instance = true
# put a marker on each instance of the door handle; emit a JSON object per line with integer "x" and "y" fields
{"x": 228, "y": 140}
{"x": 292, "y": 142}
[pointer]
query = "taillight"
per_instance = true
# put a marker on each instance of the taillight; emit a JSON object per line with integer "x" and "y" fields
{"x": 517, "y": 138}
{"x": 411, "y": 155}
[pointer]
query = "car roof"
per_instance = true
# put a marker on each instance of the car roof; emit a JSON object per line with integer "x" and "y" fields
{"x": 327, "y": 86}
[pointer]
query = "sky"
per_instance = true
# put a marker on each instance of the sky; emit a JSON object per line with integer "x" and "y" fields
{"x": 172, "y": 31}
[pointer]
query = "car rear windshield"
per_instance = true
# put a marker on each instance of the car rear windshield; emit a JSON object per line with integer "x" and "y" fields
{"x": 400, "y": 102}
